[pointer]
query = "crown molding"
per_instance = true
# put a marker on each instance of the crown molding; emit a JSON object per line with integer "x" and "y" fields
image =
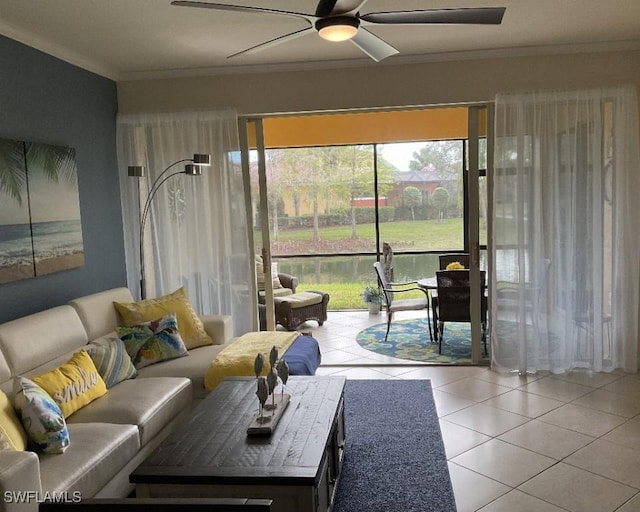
{"x": 57, "y": 51}
{"x": 398, "y": 60}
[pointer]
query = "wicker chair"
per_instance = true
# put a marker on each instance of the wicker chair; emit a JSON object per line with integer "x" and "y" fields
{"x": 289, "y": 284}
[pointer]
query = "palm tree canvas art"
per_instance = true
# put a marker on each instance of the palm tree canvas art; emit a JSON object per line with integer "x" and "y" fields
{"x": 40, "y": 228}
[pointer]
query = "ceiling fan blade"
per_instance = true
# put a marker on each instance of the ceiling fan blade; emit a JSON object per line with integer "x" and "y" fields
{"x": 240, "y": 8}
{"x": 273, "y": 42}
{"x": 325, "y": 7}
{"x": 372, "y": 45}
{"x": 479, "y": 16}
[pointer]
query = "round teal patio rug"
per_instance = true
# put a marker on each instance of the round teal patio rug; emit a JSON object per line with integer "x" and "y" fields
{"x": 409, "y": 339}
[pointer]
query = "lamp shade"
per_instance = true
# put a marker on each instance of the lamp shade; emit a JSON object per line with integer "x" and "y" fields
{"x": 135, "y": 171}
{"x": 337, "y": 28}
{"x": 202, "y": 159}
{"x": 193, "y": 170}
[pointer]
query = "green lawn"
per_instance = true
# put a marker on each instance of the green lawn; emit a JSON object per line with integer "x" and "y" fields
{"x": 419, "y": 235}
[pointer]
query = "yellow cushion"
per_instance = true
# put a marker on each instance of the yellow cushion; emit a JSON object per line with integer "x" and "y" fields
{"x": 74, "y": 384}
{"x": 190, "y": 326}
{"x": 12, "y": 435}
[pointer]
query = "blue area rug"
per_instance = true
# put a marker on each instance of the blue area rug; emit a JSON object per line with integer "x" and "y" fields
{"x": 409, "y": 339}
{"x": 394, "y": 459}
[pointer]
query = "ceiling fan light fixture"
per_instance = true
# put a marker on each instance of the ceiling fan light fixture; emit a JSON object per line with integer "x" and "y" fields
{"x": 337, "y": 28}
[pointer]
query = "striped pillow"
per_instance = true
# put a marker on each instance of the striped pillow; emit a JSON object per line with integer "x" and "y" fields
{"x": 112, "y": 361}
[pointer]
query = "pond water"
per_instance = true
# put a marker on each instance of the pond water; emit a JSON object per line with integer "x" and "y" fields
{"x": 358, "y": 269}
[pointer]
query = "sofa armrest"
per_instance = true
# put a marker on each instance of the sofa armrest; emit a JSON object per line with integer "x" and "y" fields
{"x": 20, "y": 487}
{"x": 219, "y": 327}
{"x": 288, "y": 281}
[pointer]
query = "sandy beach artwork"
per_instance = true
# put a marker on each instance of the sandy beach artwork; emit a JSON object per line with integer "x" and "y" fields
{"x": 40, "y": 227}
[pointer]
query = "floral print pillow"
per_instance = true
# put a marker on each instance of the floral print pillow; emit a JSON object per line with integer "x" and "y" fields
{"x": 152, "y": 342}
{"x": 41, "y": 417}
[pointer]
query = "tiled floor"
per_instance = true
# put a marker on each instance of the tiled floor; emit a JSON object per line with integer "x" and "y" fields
{"x": 536, "y": 443}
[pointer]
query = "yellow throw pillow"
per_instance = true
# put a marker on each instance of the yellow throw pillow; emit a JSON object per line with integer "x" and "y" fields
{"x": 11, "y": 430}
{"x": 74, "y": 384}
{"x": 190, "y": 326}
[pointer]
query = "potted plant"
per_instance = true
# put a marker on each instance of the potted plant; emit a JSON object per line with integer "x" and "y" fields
{"x": 372, "y": 295}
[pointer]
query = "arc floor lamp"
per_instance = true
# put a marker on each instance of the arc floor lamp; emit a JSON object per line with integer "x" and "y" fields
{"x": 194, "y": 168}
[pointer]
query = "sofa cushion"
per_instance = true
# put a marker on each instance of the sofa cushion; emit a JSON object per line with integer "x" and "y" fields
{"x": 33, "y": 340}
{"x": 97, "y": 453}
{"x": 153, "y": 342}
{"x": 303, "y": 299}
{"x": 192, "y": 367}
{"x": 279, "y": 292}
{"x": 74, "y": 384}
{"x": 12, "y": 434}
{"x": 112, "y": 361}
{"x": 41, "y": 417}
{"x": 97, "y": 313}
{"x": 189, "y": 325}
{"x": 148, "y": 403}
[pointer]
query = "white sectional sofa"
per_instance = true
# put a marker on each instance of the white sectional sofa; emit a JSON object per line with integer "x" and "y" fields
{"x": 113, "y": 434}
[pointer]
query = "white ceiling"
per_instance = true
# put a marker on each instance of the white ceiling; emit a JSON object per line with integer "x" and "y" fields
{"x": 129, "y": 39}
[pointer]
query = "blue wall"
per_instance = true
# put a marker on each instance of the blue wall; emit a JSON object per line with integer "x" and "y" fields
{"x": 44, "y": 99}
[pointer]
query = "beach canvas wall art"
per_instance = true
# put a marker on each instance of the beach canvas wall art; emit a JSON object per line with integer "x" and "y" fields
{"x": 40, "y": 226}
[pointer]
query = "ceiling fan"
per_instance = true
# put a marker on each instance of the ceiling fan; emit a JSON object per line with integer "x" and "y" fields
{"x": 336, "y": 22}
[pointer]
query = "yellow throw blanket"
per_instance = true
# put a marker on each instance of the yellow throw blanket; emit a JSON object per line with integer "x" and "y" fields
{"x": 238, "y": 359}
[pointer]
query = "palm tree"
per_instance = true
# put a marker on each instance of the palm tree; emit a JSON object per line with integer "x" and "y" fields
{"x": 18, "y": 159}
{"x": 58, "y": 163}
{"x": 13, "y": 174}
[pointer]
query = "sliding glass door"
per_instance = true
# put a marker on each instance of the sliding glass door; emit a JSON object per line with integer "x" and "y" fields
{"x": 324, "y": 211}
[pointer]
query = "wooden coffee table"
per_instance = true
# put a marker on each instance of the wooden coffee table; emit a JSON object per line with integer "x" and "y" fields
{"x": 298, "y": 466}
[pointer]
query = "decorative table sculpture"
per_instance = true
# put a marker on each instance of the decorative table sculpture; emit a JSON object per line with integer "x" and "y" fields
{"x": 264, "y": 423}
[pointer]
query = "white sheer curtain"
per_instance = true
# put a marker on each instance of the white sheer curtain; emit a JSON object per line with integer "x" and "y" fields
{"x": 197, "y": 224}
{"x": 566, "y": 236}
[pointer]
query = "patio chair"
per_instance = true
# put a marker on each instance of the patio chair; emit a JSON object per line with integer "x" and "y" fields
{"x": 392, "y": 305}
{"x": 462, "y": 258}
{"x": 453, "y": 303}
{"x": 508, "y": 294}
